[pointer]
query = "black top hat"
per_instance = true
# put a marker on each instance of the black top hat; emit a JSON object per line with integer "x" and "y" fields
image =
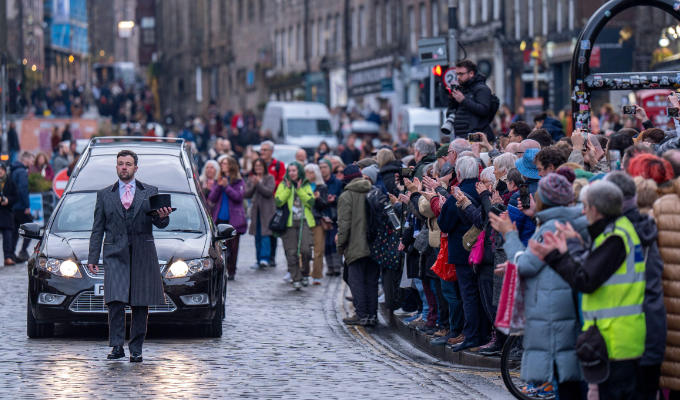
{"x": 158, "y": 201}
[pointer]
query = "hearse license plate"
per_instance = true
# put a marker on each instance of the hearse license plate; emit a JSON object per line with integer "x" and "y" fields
{"x": 99, "y": 289}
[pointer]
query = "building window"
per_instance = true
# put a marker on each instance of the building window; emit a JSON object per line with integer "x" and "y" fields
{"x": 322, "y": 49}
{"x": 148, "y": 25}
{"x": 239, "y": 12}
{"x": 412, "y": 29}
{"x": 338, "y": 33}
{"x": 571, "y": 15}
{"x": 251, "y": 10}
{"x": 530, "y": 8}
{"x": 299, "y": 41}
{"x": 262, "y": 9}
{"x": 473, "y": 12}
{"x": 312, "y": 49}
{"x": 363, "y": 37}
{"x": 388, "y": 22}
{"x": 496, "y": 10}
{"x": 354, "y": 28}
{"x": 462, "y": 4}
{"x": 214, "y": 83}
{"x": 327, "y": 36}
{"x": 423, "y": 20}
{"x": 544, "y": 17}
{"x": 291, "y": 46}
{"x": 485, "y": 10}
{"x": 378, "y": 25}
{"x": 435, "y": 18}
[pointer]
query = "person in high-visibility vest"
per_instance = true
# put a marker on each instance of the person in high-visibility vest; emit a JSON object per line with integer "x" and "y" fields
{"x": 611, "y": 277}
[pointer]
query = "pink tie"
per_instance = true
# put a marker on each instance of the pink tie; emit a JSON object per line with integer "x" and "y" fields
{"x": 127, "y": 196}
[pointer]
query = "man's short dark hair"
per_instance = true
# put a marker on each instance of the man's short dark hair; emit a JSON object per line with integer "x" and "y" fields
{"x": 629, "y": 131}
{"x": 654, "y": 135}
{"x": 126, "y": 153}
{"x": 540, "y": 117}
{"x": 673, "y": 157}
{"x": 550, "y": 156}
{"x": 521, "y": 128}
{"x": 620, "y": 141}
{"x": 468, "y": 65}
{"x": 515, "y": 177}
{"x": 542, "y": 137}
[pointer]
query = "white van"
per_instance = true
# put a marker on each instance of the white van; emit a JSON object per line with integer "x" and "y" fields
{"x": 420, "y": 120}
{"x": 299, "y": 123}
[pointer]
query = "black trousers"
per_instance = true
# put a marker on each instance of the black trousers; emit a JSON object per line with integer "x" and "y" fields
{"x": 137, "y": 326}
{"x": 648, "y": 381}
{"x": 391, "y": 278}
{"x": 622, "y": 381}
{"x": 362, "y": 277}
{"x": 7, "y": 241}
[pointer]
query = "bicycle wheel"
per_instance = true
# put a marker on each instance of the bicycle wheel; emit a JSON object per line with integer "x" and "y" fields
{"x": 511, "y": 362}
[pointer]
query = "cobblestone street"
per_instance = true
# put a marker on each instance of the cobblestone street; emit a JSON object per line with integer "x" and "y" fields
{"x": 277, "y": 343}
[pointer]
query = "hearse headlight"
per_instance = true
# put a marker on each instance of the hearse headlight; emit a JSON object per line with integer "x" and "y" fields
{"x": 65, "y": 268}
{"x": 181, "y": 268}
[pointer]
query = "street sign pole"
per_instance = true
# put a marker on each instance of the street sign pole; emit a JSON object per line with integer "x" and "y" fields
{"x": 453, "y": 26}
{"x": 3, "y": 76}
{"x": 431, "y": 89}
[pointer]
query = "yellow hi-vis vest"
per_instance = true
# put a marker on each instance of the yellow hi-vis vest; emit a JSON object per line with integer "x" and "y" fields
{"x": 617, "y": 304}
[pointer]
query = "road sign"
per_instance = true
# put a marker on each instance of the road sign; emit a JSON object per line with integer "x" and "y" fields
{"x": 432, "y": 51}
{"x": 59, "y": 182}
{"x": 450, "y": 78}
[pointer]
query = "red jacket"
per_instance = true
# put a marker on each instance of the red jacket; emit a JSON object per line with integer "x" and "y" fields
{"x": 278, "y": 170}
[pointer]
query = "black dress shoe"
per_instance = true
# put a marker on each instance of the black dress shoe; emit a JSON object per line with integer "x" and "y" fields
{"x": 136, "y": 357}
{"x": 466, "y": 344}
{"x": 116, "y": 353}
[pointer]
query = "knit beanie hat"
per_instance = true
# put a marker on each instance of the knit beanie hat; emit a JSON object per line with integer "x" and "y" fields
{"x": 555, "y": 190}
{"x": 443, "y": 151}
{"x": 351, "y": 172}
{"x": 328, "y": 162}
{"x": 371, "y": 172}
{"x": 567, "y": 173}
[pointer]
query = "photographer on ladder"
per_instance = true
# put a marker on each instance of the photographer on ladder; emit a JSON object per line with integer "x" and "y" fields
{"x": 472, "y": 106}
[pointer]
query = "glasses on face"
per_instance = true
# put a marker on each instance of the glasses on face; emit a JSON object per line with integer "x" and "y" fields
{"x": 461, "y": 73}
{"x": 519, "y": 153}
{"x": 265, "y": 149}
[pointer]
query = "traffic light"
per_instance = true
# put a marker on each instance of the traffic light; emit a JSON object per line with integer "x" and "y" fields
{"x": 437, "y": 70}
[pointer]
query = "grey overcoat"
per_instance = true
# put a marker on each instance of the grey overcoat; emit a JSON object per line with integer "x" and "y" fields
{"x": 135, "y": 281}
{"x": 263, "y": 204}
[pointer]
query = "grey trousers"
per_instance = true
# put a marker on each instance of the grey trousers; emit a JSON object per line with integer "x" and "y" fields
{"x": 290, "y": 245}
{"x": 137, "y": 326}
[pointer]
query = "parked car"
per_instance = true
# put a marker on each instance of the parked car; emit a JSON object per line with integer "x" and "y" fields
{"x": 61, "y": 289}
{"x": 299, "y": 123}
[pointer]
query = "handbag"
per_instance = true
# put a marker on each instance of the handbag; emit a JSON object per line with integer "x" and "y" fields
{"x": 441, "y": 266}
{"x": 279, "y": 220}
{"x": 510, "y": 317}
{"x": 470, "y": 237}
{"x": 433, "y": 233}
{"x": 477, "y": 252}
{"x": 326, "y": 223}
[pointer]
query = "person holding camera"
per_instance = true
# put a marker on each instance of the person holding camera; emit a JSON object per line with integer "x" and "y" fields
{"x": 472, "y": 106}
{"x": 8, "y": 195}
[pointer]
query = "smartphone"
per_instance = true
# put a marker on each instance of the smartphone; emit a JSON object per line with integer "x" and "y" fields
{"x": 615, "y": 160}
{"x": 407, "y": 173}
{"x": 672, "y": 112}
{"x": 474, "y": 137}
{"x": 524, "y": 196}
{"x": 630, "y": 110}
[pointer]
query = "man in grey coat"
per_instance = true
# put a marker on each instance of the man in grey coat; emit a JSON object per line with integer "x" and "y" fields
{"x": 123, "y": 221}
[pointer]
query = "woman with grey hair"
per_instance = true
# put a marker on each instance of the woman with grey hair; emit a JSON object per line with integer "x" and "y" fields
{"x": 209, "y": 175}
{"x": 313, "y": 175}
{"x": 467, "y": 168}
{"x": 502, "y": 164}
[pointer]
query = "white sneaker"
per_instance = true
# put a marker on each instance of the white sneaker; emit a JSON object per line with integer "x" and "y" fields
{"x": 305, "y": 281}
{"x": 316, "y": 281}
{"x": 287, "y": 278}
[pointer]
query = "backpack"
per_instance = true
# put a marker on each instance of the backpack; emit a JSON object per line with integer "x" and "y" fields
{"x": 375, "y": 215}
{"x": 495, "y": 104}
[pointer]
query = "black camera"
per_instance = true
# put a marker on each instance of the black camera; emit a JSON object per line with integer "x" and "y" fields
{"x": 673, "y": 112}
{"x": 407, "y": 173}
{"x": 630, "y": 110}
{"x": 498, "y": 209}
{"x": 524, "y": 196}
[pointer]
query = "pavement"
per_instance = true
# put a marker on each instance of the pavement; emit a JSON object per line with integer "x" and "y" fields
{"x": 277, "y": 344}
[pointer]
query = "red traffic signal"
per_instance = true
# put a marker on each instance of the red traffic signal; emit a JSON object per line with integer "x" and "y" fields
{"x": 437, "y": 70}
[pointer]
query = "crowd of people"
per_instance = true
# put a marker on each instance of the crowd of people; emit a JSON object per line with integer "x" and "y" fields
{"x": 588, "y": 219}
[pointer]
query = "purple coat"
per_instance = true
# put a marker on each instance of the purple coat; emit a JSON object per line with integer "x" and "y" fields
{"x": 237, "y": 213}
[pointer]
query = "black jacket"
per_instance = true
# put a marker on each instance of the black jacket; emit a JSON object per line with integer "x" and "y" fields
{"x": 388, "y": 173}
{"x": 655, "y": 310}
{"x": 474, "y": 113}
{"x": 6, "y": 215}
